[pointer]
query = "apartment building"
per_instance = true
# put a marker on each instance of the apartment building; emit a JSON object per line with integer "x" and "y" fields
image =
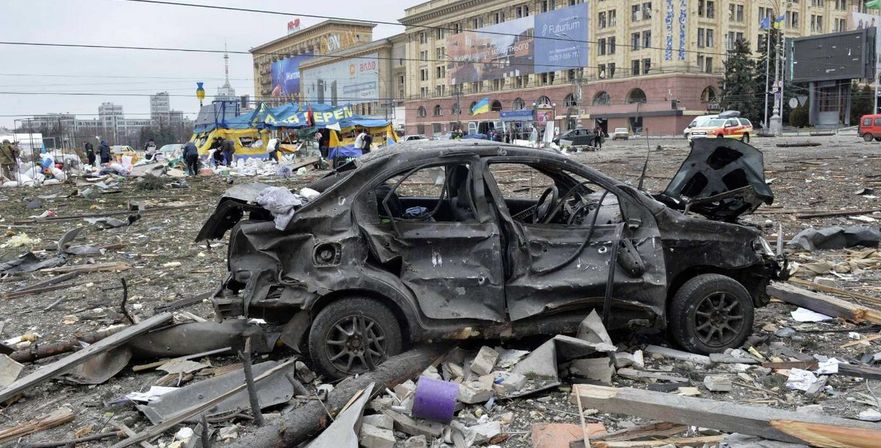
{"x": 648, "y": 65}
{"x": 276, "y": 63}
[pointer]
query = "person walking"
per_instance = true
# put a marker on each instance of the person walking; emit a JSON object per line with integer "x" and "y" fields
{"x": 191, "y": 157}
{"x": 8, "y": 160}
{"x": 104, "y": 152}
{"x": 598, "y": 137}
{"x": 228, "y": 148}
{"x": 272, "y": 149}
{"x": 90, "y": 153}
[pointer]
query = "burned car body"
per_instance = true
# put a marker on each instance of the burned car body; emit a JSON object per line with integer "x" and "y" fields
{"x": 461, "y": 239}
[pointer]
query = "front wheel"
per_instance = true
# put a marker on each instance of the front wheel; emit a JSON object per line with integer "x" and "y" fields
{"x": 868, "y": 137}
{"x": 745, "y": 138}
{"x": 353, "y": 335}
{"x": 711, "y": 313}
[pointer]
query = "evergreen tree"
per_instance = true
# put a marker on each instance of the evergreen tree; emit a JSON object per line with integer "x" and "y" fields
{"x": 739, "y": 85}
{"x": 862, "y": 101}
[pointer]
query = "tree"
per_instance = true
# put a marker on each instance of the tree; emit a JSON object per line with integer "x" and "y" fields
{"x": 738, "y": 90}
{"x": 862, "y": 102}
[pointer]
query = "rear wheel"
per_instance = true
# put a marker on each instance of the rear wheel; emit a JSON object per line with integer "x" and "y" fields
{"x": 868, "y": 137}
{"x": 745, "y": 138}
{"x": 353, "y": 335}
{"x": 711, "y": 313}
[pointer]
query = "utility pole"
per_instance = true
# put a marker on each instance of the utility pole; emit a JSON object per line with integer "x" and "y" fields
{"x": 767, "y": 77}
{"x": 776, "y": 124}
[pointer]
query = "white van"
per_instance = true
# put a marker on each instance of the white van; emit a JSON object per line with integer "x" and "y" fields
{"x": 697, "y": 122}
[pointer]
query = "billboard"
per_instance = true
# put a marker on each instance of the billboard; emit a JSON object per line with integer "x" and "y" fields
{"x": 286, "y": 76}
{"x": 547, "y": 42}
{"x": 354, "y": 80}
{"x": 837, "y": 56}
{"x": 560, "y": 39}
{"x": 859, "y": 21}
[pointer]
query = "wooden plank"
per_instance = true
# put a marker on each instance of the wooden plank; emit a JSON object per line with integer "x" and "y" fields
{"x": 864, "y": 341}
{"x": 823, "y": 303}
{"x": 63, "y": 365}
{"x": 833, "y": 214}
{"x": 833, "y": 290}
{"x": 679, "y": 441}
{"x": 57, "y": 418}
{"x": 678, "y": 354}
{"x": 97, "y": 267}
{"x": 819, "y": 430}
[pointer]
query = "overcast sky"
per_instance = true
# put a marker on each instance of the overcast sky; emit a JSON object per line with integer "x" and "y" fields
{"x": 118, "y": 22}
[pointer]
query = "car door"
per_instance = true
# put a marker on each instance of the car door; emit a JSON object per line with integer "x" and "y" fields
{"x": 434, "y": 229}
{"x": 565, "y": 265}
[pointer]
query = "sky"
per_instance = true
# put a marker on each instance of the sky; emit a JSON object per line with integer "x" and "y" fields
{"x": 119, "y": 22}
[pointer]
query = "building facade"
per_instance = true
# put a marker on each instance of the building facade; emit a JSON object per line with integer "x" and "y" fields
{"x": 368, "y": 76}
{"x": 647, "y": 65}
{"x": 276, "y": 63}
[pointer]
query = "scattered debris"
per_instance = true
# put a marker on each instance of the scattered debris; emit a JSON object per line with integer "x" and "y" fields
{"x": 837, "y": 237}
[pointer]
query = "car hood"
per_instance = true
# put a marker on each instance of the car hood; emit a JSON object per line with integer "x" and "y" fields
{"x": 721, "y": 179}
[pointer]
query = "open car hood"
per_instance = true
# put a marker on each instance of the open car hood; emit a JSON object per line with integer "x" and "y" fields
{"x": 721, "y": 179}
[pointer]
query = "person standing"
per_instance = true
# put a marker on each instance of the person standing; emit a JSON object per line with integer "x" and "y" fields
{"x": 598, "y": 137}
{"x": 272, "y": 149}
{"x": 90, "y": 153}
{"x": 359, "y": 140}
{"x": 150, "y": 149}
{"x": 104, "y": 151}
{"x": 368, "y": 143}
{"x": 191, "y": 157}
{"x": 8, "y": 159}
{"x": 228, "y": 149}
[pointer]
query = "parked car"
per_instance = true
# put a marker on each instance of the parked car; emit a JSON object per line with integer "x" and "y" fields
{"x": 620, "y": 134}
{"x": 727, "y": 125}
{"x": 502, "y": 240}
{"x": 412, "y": 137}
{"x": 697, "y": 122}
{"x": 171, "y": 151}
{"x": 870, "y": 127}
{"x": 577, "y": 137}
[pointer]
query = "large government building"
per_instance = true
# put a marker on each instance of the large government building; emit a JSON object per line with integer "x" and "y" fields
{"x": 646, "y": 65}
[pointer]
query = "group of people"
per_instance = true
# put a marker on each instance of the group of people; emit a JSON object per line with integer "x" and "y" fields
{"x": 103, "y": 153}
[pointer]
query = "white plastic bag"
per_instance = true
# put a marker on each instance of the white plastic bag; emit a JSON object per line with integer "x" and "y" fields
{"x": 281, "y": 203}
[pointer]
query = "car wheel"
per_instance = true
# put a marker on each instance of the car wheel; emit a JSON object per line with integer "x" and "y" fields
{"x": 868, "y": 137}
{"x": 353, "y": 335}
{"x": 711, "y": 313}
{"x": 745, "y": 138}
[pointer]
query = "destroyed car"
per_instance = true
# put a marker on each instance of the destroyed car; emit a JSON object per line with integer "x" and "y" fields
{"x": 481, "y": 239}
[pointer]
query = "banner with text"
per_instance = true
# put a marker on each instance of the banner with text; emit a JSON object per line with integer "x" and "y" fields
{"x": 286, "y": 76}
{"x": 353, "y": 80}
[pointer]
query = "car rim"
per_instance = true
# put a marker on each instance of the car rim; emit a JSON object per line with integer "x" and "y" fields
{"x": 718, "y": 319}
{"x": 356, "y": 344}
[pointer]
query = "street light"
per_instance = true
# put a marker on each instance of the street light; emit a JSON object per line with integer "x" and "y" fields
{"x": 580, "y": 78}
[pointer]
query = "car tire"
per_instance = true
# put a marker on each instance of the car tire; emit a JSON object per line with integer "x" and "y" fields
{"x": 745, "y": 138}
{"x": 336, "y": 323}
{"x": 867, "y": 137}
{"x": 710, "y": 313}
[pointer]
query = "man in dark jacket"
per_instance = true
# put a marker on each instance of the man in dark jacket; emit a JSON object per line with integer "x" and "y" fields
{"x": 104, "y": 150}
{"x": 191, "y": 157}
{"x": 228, "y": 148}
{"x": 90, "y": 153}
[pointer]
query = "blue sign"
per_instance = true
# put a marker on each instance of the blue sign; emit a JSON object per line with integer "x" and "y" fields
{"x": 286, "y": 76}
{"x": 561, "y": 39}
{"x": 516, "y": 115}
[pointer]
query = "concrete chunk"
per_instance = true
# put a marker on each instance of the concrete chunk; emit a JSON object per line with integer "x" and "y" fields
{"x": 9, "y": 370}
{"x": 475, "y": 392}
{"x": 718, "y": 383}
{"x": 373, "y": 437}
{"x": 484, "y": 361}
{"x": 414, "y": 427}
{"x": 511, "y": 383}
{"x": 597, "y": 369}
{"x": 416, "y": 442}
{"x": 379, "y": 420}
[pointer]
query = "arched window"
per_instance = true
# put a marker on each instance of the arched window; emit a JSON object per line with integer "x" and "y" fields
{"x": 456, "y": 109}
{"x": 496, "y": 106}
{"x": 437, "y": 111}
{"x": 570, "y": 100}
{"x": 708, "y": 95}
{"x": 602, "y": 99}
{"x": 421, "y": 113}
{"x": 636, "y": 96}
{"x": 543, "y": 101}
{"x": 518, "y": 104}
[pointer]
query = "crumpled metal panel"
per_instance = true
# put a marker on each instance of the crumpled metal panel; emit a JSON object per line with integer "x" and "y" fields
{"x": 716, "y": 167}
{"x": 270, "y": 391}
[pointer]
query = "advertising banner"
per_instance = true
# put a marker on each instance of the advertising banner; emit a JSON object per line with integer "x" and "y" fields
{"x": 859, "y": 21}
{"x": 561, "y": 39}
{"x": 494, "y": 52}
{"x": 300, "y": 118}
{"x": 286, "y": 76}
{"x": 353, "y": 80}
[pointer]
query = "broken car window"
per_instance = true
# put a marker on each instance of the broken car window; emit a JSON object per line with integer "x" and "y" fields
{"x": 430, "y": 194}
{"x": 550, "y": 195}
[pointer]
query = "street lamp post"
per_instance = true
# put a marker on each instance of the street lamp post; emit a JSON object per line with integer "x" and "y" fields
{"x": 776, "y": 122}
{"x": 577, "y": 83}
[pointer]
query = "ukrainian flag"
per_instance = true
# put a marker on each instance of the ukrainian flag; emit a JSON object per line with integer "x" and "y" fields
{"x": 480, "y": 107}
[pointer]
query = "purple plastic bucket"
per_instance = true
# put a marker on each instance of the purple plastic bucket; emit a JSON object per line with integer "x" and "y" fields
{"x": 435, "y": 400}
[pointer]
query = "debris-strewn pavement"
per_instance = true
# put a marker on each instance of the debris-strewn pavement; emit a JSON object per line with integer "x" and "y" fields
{"x": 837, "y": 182}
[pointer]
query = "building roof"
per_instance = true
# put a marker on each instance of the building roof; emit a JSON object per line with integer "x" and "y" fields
{"x": 312, "y": 28}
